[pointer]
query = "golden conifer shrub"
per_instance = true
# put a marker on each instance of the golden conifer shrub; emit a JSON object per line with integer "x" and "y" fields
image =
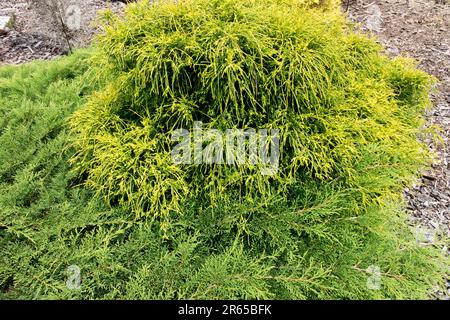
{"x": 260, "y": 64}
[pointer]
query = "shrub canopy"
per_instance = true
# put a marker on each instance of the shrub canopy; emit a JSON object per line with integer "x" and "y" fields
{"x": 259, "y": 64}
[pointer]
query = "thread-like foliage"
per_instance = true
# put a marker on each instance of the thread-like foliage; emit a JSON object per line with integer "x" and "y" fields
{"x": 239, "y": 64}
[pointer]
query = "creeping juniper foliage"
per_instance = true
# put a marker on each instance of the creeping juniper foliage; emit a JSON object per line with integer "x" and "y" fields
{"x": 87, "y": 181}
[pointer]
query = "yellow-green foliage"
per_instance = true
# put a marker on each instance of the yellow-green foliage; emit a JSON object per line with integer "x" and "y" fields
{"x": 322, "y": 4}
{"x": 239, "y": 64}
{"x": 348, "y": 116}
{"x": 316, "y": 243}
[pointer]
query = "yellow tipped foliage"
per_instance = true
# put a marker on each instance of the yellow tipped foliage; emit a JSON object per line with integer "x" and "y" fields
{"x": 240, "y": 64}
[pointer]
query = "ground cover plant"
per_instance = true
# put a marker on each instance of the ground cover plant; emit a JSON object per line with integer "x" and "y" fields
{"x": 87, "y": 182}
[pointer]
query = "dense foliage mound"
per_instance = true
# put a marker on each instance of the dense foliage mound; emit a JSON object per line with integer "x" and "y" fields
{"x": 329, "y": 225}
{"x": 239, "y": 65}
